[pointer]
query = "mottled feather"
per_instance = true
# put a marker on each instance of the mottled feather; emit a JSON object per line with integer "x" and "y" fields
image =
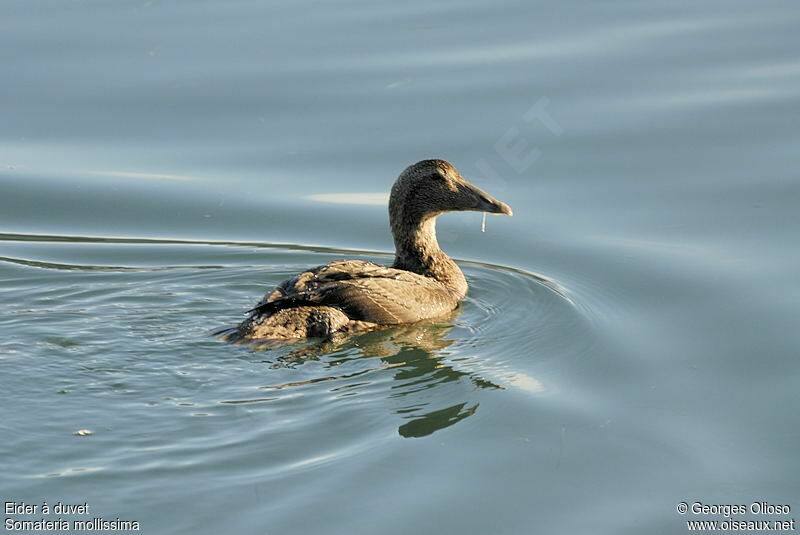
{"x": 364, "y": 291}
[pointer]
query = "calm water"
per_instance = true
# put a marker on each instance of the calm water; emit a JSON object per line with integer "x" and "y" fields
{"x": 630, "y": 339}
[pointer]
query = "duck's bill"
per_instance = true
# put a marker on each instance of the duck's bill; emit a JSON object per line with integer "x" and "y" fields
{"x": 487, "y": 203}
{"x": 498, "y": 207}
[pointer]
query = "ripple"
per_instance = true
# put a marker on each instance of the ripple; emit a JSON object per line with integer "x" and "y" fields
{"x": 430, "y": 375}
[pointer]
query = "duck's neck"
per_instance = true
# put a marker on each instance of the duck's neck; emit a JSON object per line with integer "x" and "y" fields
{"x": 417, "y": 250}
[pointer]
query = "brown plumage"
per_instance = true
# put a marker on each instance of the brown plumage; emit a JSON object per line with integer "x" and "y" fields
{"x": 349, "y": 296}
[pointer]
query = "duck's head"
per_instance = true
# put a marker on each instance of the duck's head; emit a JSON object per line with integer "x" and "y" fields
{"x": 431, "y": 187}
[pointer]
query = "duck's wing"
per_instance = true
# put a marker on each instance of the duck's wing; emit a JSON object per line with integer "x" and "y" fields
{"x": 364, "y": 291}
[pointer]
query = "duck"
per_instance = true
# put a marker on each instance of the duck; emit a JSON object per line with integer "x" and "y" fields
{"x": 345, "y": 297}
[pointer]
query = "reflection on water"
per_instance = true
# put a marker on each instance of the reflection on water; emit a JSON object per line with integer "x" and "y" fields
{"x": 138, "y": 175}
{"x": 376, "y": 199}
{"x": 433, "y": 421}
{"x": 417, "y": 357}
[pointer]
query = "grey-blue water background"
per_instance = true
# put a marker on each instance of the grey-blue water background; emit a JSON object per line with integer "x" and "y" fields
{"x": 631, "y": 337}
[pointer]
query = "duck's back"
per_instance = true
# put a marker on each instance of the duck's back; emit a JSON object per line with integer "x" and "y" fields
{"x": 347, "y": 296}
{"x": 364, "y": 291}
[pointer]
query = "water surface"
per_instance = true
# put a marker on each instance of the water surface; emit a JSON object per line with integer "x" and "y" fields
{"x": 629, "y": 338}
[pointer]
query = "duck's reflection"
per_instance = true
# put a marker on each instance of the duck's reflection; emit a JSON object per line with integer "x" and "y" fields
{"x": 418, "y": 357}
{"x": 435, "y": 420}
